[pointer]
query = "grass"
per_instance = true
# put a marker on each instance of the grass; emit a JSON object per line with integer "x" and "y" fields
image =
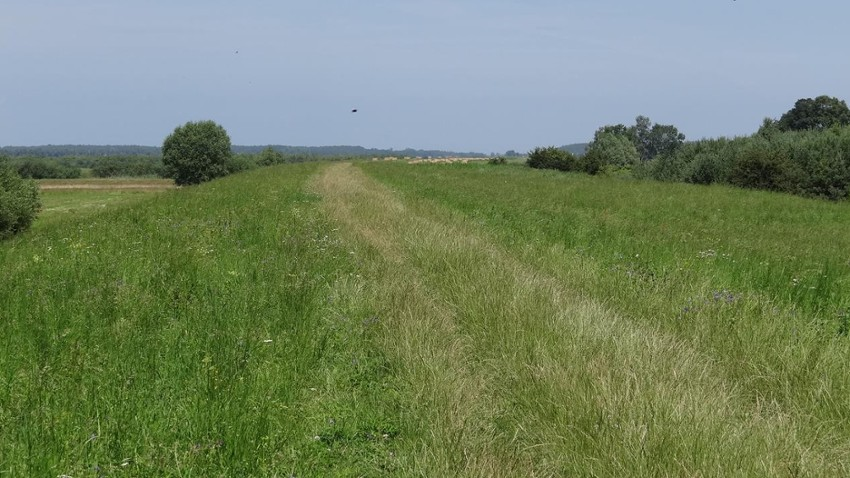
{"x": 432, "y": 320}
{"x": 73, "y": 198}
{"x": 189, "y": 334}
{"x": 751, "y": 286}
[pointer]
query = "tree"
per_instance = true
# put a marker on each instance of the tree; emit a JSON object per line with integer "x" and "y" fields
{"x": 650, "y": 140}
{"x": 196, "y": 152}
{"x": 817, "y": 114}
{"x": 655, "y": 140}
{"x": 19, "y": 202}
{"x": 615, "y": 149}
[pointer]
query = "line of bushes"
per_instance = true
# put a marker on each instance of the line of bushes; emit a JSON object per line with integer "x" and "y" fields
{"x": 808, "y": 163}
{"x": 551, "y": 157}
{"x": 806, "y": 152}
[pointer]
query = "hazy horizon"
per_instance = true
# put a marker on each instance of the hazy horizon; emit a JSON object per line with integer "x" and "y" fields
{"x": 463, "y": 75}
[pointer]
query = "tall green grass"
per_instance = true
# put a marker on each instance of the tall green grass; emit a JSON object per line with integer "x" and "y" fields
{"x": 453, "y": 320}
{"x": 191, "y": 334}
{"x": 756, "y": 283}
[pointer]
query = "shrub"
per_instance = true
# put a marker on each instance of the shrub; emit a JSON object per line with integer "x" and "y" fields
{"x": 19, "y": 202}
{"x": 552, "y": 158}
{"x": 240, "y": 162}
{"x": 498, "y": 160}
{"x": 270, "y": 157}
{"x": 45, "y": 169}
{"x": 129, "y": 166}
{"x": 706, "y": 168}
{"x": 763, "y": 168}
{"x": 196, "y": 152}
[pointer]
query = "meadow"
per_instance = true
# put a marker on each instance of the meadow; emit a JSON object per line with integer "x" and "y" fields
{"x": 388, "y": 319}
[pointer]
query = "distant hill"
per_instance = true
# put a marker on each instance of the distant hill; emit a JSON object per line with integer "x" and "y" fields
{"x": 576, "y": 148}
{"x": 58, "y": 151}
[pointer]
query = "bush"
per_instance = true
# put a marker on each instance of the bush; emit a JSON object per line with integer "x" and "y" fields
{"x": 552, "y": 158}
{"x": 706, "y": 168}
{"x": 270, "y": 157}
{"x": 196, "y": 152}
{"x": 19, "y": 202}
{"x": 593, "y": 162}
{"x": 240, "y": 162}
{"x": 761, "y": 168}
{"x": 498, "y": 160}
{"x": 46, "y": 169}
{"x": 129, "y": 166}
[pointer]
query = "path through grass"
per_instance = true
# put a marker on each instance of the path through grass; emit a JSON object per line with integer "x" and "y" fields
{"x": 397, "y": 320}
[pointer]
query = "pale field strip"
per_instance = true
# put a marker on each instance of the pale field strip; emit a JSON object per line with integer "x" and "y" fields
{"x": 579, "y": 357}
{"x": 448, "y": 160}
{"x": 105, "y": 184}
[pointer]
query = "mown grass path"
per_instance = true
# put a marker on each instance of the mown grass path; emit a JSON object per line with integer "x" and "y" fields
{"x": 507, "y": 369}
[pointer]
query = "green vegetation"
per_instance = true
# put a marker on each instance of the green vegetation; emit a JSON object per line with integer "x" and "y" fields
{"x": 198, "y": 333}
{"x": 382, "y": 319}
{"x": 46, "y": 169}
{"x": 635, "y": 328}
{"x": 806, "y": 152}
{"x": 62, "y": 200}
{"x": 809, "y": 163}
{"x": 815, "y": 114}
{"x": 19, "y": 202}
{"x": 196, "y": 152}
{"x": 552, "y": 158}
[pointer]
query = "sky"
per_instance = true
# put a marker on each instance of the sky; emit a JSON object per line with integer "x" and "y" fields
{"x": 464, "y": 75}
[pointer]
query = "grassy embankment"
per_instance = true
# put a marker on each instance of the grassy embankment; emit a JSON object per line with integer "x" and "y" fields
{"x": 190, "y": 334}
{"x": 433, "y": 321}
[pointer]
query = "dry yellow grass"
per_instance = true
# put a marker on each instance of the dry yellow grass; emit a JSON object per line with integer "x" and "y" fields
{"x": 106, "y": 183}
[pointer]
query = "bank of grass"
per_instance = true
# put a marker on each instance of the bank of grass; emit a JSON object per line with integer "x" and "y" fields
{"x": 194, "y": 333}
{"x": 432, "y": 320}
{"x": 751, "y": 287}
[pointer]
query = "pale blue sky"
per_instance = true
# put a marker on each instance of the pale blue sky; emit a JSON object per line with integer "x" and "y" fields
{"x": 464, "y": 75}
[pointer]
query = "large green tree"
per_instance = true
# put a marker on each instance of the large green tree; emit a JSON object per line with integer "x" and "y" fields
{"x": 650, "y": 140}
{"x": 196, "y": 152}
{"x": 611, "y": 148}
{"x": 815, "y": 114}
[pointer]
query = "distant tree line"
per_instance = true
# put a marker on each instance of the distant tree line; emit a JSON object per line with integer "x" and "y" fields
{"x": 71, "y": 150}
{"x": 306, "y": 152}
{"x": 805, "y": 152}
{"x": 88, "y": 166}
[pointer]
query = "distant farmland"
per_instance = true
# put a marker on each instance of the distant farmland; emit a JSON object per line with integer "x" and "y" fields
{"x": 381, "y": 319}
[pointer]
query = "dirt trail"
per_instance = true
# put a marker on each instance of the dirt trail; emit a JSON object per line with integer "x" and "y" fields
{"x": 526, "y": 370}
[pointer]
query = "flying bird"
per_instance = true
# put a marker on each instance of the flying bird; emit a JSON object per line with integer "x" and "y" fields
{"x": 354, "y": 110}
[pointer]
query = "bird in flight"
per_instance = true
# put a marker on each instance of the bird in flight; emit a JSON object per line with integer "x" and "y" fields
{"x": 354, "y": 110}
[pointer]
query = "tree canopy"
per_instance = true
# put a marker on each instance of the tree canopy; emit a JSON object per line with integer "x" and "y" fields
{"x": 650, "y": 140}
{"x": 816, "y": 114}
{"x": 196, "y": 152}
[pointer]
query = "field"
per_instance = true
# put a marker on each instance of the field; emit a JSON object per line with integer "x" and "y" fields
{"x": 386, "y": 319}
{"x": 69, "y": 198}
